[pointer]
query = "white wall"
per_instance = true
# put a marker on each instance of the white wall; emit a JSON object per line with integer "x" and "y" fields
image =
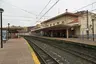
{"x": 83, "y": 22}
{"x": 65, "y": 19}
{"x": 77, "y": 31}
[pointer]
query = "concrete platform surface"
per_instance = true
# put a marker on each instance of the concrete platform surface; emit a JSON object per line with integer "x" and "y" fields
{"x": 76, "y": 40}
{"x": 15, "y": 51}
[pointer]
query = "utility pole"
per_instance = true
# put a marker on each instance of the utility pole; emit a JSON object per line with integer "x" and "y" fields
{"x": 87, "y": 25}
{"x": 1, "y": 10}
{"x": 8, "y": 30}
{"x": 93, "y": 28}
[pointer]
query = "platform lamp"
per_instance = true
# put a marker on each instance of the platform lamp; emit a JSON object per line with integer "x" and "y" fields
{"x": 1, "y": 11}
{"x": 8, "y": 29}
{"x": 92, "y": 26}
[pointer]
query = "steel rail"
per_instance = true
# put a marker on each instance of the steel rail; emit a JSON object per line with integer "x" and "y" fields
{"x": 39, "y": 51}
{"x": 74, "y": 52}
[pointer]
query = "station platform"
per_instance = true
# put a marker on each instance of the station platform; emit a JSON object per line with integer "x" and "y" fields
{"x": 76, "y": 40}
{"x": 16, "y": 51}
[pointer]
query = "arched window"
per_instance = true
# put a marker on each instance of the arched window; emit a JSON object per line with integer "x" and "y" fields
{"x": 62, "y": 22}
{"x": 50, "y": 24}
{"x": 58, "y": 23}
{"x": 53, "y": 24}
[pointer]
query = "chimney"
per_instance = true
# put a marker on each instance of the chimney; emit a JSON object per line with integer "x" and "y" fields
{"x": 66, "y": 10}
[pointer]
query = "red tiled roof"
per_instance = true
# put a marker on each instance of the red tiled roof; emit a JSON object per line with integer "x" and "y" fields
{"x": 74, "y": 21}
{"x": 67, "y": 13}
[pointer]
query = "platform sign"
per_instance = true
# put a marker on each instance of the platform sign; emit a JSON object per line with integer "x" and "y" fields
{"x": 4, "y": 34}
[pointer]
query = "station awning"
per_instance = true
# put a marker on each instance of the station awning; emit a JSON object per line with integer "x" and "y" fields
{"x": 59, "y": 27}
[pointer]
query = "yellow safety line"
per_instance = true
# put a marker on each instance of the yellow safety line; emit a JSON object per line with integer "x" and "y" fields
{"x": 36, "y": 60}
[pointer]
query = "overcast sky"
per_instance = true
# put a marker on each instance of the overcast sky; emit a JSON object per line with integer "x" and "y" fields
{"x": 25, "y": 12}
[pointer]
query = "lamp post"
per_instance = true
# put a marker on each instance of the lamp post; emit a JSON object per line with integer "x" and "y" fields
{"x": 93, "y": 28}
{"x": 87, "y": 25}
{"x": 1, "y": 10}
{"x": 8, "y": 30}
{"x": 93, "y": 19}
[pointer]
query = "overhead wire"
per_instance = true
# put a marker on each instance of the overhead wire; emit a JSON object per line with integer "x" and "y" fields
{"x": 30, "y": 12}
{"x": 44, "y": 7}
{"x": 22, "y": 9}
{"x": 93, "y": 10}
{"x": 19, "y": 8}
{"x": 86, "y": 6}
{"x": 75, "y": 10}
{"x": 49, "y": 9}
{"x": 16, "y": 16}
{"x": 17, "y": 19}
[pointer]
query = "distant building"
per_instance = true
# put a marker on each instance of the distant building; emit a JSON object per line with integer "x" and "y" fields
{"x": 30, "y": 28}
{"x": 68, "y": 25}
{"x": 12, "y": 31}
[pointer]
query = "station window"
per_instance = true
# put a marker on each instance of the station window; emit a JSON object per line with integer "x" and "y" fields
{"x": 62, "y": 22}
{"x": 46, "y": 25}
{"x": 53, "y": 24}
{"x": 50, "y": 24}
{"x": 58, "y": 23}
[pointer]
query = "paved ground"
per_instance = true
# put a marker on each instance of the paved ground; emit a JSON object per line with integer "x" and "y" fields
{"x": 15, "y": 51}
{"x": 77, "y": 40}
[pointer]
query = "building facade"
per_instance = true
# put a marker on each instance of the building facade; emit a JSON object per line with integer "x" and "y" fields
{"x": 68, "y": 24}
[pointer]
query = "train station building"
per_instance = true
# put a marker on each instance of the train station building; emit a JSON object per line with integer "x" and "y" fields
{"x": 67, "y": 25}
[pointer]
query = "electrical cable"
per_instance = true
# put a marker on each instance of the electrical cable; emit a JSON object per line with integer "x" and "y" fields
{"x": 93, "y": 10}
{"x": 19, "y": 8}
{"x": 16, "y": 16}
{"x": 17, "y": 19}
{"x": 86, "y": 6}
{"x": 45, "y": 7}
{"x": 48, "y": 10}
{"x": 22, "y": 9}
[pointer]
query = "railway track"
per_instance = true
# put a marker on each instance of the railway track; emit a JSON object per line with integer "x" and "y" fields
{"x": 73, "y": 51}
{"x": 44, "y": 57}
